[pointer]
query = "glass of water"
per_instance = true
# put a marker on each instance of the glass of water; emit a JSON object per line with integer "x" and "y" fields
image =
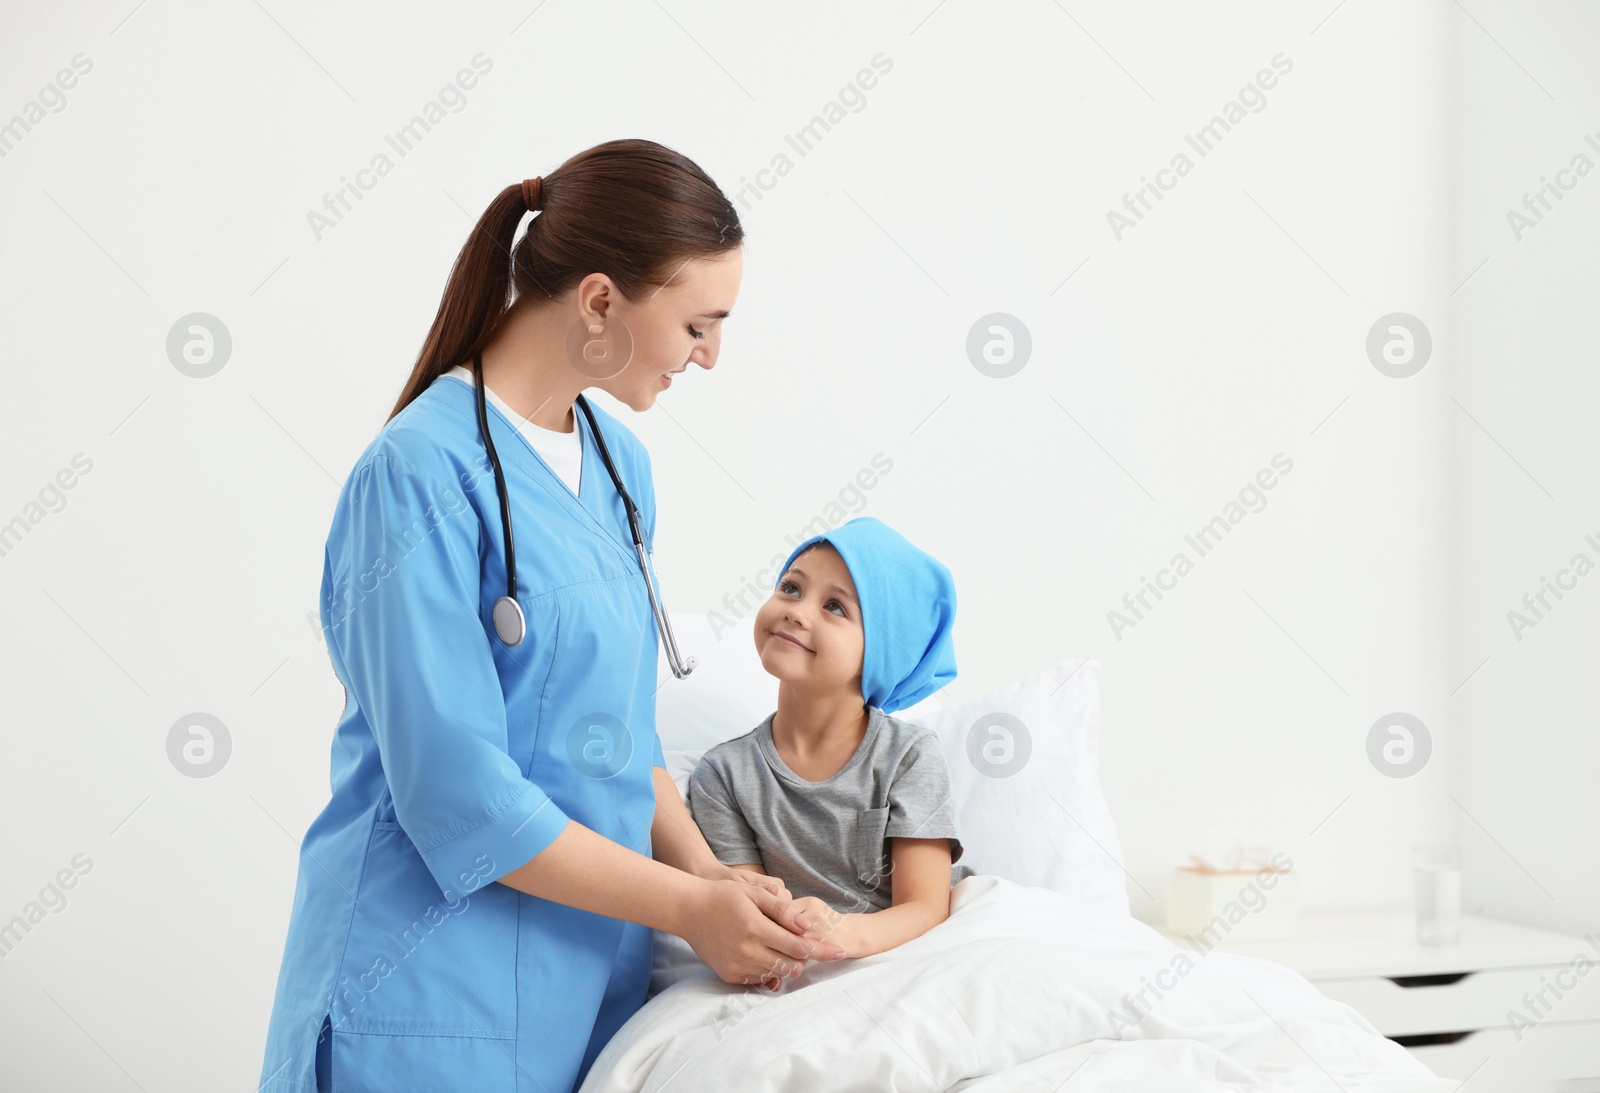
{"x": 1438, "y": 874}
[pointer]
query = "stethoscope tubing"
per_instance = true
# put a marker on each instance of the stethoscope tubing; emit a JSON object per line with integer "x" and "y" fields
{"x": 509, "y": 622}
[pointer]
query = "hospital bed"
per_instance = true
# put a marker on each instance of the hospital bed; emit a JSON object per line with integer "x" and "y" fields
{"x": 1040, "y": 979}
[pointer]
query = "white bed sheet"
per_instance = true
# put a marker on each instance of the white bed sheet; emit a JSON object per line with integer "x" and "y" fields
{"x": 1020, "y": 988}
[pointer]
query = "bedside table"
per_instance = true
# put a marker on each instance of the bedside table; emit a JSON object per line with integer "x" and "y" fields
{"x": 1471, "y": 1010}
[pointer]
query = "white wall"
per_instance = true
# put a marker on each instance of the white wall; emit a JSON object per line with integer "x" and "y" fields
{"x": 1226, "y": 327}
{"x": 1526, "y": 466}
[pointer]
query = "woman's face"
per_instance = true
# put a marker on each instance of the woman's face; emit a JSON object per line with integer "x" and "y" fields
{"x": 659, "y": 335}
{"x": 815, "y": 603}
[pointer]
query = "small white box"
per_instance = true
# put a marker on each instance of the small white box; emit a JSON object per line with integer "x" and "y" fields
{"x": 1258, "y": 905}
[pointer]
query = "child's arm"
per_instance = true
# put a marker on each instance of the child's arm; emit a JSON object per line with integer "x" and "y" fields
{"x": 674, "y": 836}
{"x": 677, "y": 840}
{"x": 920, "y": 880}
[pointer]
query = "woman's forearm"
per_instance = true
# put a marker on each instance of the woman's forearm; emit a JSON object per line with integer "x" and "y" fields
{"x": 675, "y": 838}
{"x": 586, "y": 870}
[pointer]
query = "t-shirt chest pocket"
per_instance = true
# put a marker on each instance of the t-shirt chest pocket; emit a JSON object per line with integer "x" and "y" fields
{"x": 869, "y": 856}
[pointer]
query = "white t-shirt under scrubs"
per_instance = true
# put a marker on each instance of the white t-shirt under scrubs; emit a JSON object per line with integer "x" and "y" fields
{"x": 561, "y": 452}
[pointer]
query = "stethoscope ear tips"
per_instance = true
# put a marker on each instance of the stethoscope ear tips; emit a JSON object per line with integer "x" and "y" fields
{"x": 508, "y": 621}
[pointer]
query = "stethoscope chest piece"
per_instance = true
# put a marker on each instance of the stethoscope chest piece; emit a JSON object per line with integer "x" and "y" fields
{"x": 508, "y": 621}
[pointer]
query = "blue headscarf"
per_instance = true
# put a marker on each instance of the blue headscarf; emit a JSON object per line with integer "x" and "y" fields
{"x": 908, "y": 605}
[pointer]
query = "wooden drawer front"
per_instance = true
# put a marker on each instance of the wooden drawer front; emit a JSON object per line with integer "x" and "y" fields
{"x": 1548, "y": 1058}
{"x": 1481, "y": 1000}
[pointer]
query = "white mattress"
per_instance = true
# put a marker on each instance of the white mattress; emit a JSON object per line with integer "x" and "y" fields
{"x": 1019, "y": 989}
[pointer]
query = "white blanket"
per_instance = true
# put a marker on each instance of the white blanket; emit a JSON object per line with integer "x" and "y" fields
{"x": 1019, "y": 989}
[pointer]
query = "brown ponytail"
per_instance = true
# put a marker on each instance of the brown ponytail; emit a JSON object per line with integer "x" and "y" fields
{"x": 634, "y": 210}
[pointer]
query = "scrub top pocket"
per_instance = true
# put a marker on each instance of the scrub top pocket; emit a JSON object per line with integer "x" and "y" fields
{"x": 425, "y": 962}
{"x": 869, "y": 852}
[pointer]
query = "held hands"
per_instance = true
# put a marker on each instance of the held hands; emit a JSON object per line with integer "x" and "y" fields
{"x": 817, "y": 921}
{"x": 820, "y": 922}
{"x": 747, "y": 933}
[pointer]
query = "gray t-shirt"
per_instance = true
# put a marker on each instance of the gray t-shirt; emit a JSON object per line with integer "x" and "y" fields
{"x": 828, "y": 838}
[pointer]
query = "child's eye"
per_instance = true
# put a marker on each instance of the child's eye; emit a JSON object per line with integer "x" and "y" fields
{"x": 697, "y": 333}
{"x": 784, "y": 585}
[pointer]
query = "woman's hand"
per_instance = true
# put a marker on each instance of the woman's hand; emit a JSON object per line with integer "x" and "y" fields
{"x": 760, "y": 880}
{"x": 735, "y": 928}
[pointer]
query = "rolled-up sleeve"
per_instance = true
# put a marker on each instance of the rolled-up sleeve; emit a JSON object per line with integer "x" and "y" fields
{"x": 417, "y": 661}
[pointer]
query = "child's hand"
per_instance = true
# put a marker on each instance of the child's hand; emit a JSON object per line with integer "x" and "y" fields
{"x": 823, "y": 923}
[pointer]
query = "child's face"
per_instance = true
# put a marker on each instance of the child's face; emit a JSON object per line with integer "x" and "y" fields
{"x": 816, "y": 603}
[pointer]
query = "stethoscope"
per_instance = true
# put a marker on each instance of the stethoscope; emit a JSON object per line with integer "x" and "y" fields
{"x": 509, "y": 623}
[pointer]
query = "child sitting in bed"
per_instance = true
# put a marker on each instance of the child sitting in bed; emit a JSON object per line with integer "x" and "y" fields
{"x": 848, "y": 806}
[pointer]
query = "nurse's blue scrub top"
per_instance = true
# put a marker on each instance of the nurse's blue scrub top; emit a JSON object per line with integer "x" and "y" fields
{"x": 458, "y": 759}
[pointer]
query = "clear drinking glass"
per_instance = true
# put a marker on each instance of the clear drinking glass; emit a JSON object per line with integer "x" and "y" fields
{"x": 1438, "y": 875}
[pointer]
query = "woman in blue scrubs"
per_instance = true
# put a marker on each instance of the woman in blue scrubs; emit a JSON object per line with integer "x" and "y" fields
{"x": 475, "y": 903}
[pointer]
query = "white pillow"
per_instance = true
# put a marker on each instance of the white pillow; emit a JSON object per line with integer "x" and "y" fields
{"x": 1025, "y": 773}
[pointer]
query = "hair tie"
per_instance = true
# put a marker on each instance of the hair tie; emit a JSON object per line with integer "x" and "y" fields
{"x": 532, "y": 191}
